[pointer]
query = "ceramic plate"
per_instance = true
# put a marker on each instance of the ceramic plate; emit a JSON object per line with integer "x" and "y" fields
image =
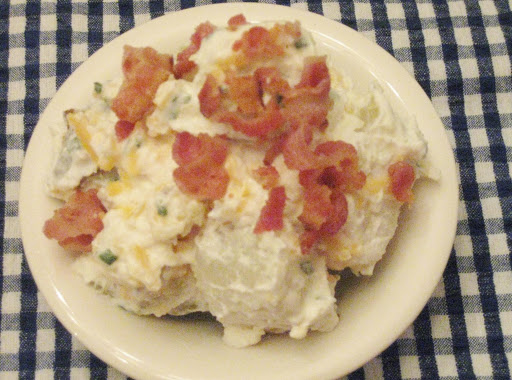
{"x": 374, "y": 311}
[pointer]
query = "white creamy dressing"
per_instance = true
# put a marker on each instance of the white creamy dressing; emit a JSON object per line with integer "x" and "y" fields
{"x": 252, "y": 283}
{"x": 72, "y": 159}
{"x": 381, "y": 137}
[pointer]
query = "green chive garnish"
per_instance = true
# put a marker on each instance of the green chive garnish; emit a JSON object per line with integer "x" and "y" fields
{"x": 300, "y": 43}
{"x": 108, "y": 257}
{"x": 162, "y": 210}
{"x": 307, "y": 267}
{"x": 98, "y": 87}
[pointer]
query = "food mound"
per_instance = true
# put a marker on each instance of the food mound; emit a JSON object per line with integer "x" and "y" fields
{"x": 238, "y": 177}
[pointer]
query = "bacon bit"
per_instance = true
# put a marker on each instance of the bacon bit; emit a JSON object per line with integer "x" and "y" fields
{"x": 347, "y": 179}
{"x": 268, "y": 176}
{"x": 271, "y": 217}
{"x": 123, "y": 129}
{"x": 340, "y": 166}
{"x": 209, "y": 97}
{"x": 325, "y": 208}
{"x": 251, "y": 118}
{"x": 317, "y": 206}
{"x": 325, "y": 174}
{"x": 236, "y": 21}
{"x": 184, "y": 65}
{"x": 325, "y": 211}
{"x": 339, "y": 155}
{"x": 188, "y": 148}
{"x": 275, "y": 149}
{"x": 402, "y": 178}
{"x": 77, "y": 223}
{"x": 314, "y": 73}
{"x": 261, "y": 125}
{"x": 201, "y": 173}
{"x": 292, "y": 29}
{"x": 257, "y": 43}
{"x": 308, "y": 103}
{"x": 245, "y": 91}
{"x": 144, "y": 70}
{"x": 308, "y": 240}
{"x": 261, "y": 43}
{"x": 336, "y": 152}
{"x": 271, "y": 81}
{"x": 305, "y": 105}
{"x": 201, "y": 181}
{"x": 338, "y": 214}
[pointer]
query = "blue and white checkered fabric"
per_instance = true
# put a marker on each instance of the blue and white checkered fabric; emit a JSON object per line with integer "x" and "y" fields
{"x": 460, "y": 53}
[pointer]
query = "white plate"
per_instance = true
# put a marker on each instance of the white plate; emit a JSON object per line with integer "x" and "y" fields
{"x": 374, "y": 311}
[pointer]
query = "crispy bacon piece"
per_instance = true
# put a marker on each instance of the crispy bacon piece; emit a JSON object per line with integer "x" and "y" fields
{"x": 271, "y": 217}
{"x": 299, "y": 155}
{"x": 188, "y": 148}
{"x": 325, "y": 206}
{"x": 338, "y": 214}
{"x": 308, "y": 103}
{"x": 75, "y": 224}
{"x": 288, "y": 29}
{"x": 236, "y": 21}
{"x": 325, "y": 209}
{"x": 402, "y": 178}
{"x": 335, "y": 213}
{"x": 275, "y": 149}
{"x": 256, "y": 43}
{"x": 314, "y": 73}
{"x": 201, "y": 181}
{"x": 307, "y": 240}
{"x": 261, "y": 43}
{"x": 262, "y": 125}
{"x": 305, "y": 105}
{"x": 296, "y": 150}
{"x": 209, "y": 97}
{"x": 268, "y": 176}
{"x": 317, "y": 206}
{"x": 201, "y": 173}
{"x": 271, "y": 81}
{"x": 123, "y": 129}
{"x": 245, "y": 91}
{"x": 326, "y": 174}
{"x": 144, "y": 70}
{"x": 251, "y": 117}
{"x": 184, "y": 66}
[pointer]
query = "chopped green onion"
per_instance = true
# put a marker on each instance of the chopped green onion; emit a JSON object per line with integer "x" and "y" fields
{"x": 74, "y": 144}
{"x": 307, "y": 267}
{"x": 112, "y": 175}
{"x": 162, "y": 210}
{"x": 108, "y": 257}
{"x": 300, "y": 43}
{"x": 98, "y": 87}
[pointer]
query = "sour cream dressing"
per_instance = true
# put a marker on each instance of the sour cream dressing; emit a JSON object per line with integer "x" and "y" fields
{"x": 252, "y": 283}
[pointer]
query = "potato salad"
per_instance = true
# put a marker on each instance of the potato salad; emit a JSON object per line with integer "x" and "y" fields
{"x": 238, "y": 176}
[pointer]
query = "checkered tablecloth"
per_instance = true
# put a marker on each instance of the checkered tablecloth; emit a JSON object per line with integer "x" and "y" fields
{"x": 460, "y": 53}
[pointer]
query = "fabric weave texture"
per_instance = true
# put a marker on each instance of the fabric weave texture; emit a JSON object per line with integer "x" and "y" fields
{"x": 460, "y": 53}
